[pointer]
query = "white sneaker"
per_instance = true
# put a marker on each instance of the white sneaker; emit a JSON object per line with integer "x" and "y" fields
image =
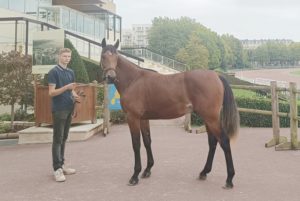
{"x": 59, "y": 175}
{"x": 68, "y": 171}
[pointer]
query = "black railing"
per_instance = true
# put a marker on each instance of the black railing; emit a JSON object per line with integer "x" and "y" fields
{"x": 156, "y": 57}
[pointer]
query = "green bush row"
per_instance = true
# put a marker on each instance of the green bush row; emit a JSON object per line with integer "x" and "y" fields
{"x": 255, "y": 120}
{"x": 20, "y": 115}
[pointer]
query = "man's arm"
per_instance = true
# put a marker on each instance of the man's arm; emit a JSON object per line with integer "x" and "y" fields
{"x": 55, "y": 92}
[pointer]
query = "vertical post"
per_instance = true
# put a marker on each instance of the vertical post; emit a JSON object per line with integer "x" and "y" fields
{"x": 107, "y": 26}
{"x": 275, "y": 110}
{"x": 120, "y": 29}
{"x": 187, "y": 122}
{"x": 106, "y": 110}
{"x": 16, "y": 35}
{"x": 89, "y": 50}
{"x": 95, "y": 90}
{"x": 35, "y": 100}
{"x": 293, "y": 115}
{"x": 293, "y": 121}
{"x": 277, "y": 139}
{"x": 26, "y": 37}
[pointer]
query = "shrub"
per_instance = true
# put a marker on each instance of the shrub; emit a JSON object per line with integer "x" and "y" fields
{"x": 5, "y": 117}
{"x": 255, "y": 120}
{"x": 93, "y": 69}
{"x": 77, "y": 64}
{"x": 117, "y": 116}
{"x": 4, "y": 128}
{"x": 22, "y": 115}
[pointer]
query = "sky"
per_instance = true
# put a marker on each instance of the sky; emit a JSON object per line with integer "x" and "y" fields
{"x": 244, "y": 19}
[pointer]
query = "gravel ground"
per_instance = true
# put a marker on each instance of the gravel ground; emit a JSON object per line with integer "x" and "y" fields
{"x": 105, "y": 164}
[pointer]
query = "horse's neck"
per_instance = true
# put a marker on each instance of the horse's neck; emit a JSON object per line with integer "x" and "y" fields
{"x": 127, "y": 72}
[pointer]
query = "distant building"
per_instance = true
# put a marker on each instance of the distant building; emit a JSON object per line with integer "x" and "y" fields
{"x": 253, "y": 44}
{"x": 137, "y": 36}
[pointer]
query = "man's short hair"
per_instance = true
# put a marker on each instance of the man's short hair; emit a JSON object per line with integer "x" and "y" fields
{"x": 64, "y": 50}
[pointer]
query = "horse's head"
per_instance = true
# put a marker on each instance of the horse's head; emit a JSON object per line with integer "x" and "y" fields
{"x": 109, "y": 60}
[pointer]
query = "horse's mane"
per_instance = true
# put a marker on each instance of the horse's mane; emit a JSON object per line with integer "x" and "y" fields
{"x": 147, "y": 69}
{"x": 137, "y": 66}
{"x": 113, "y": 50}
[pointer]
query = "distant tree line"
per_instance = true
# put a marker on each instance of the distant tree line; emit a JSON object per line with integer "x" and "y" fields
{"x": 274, "y": 54}
{"x": 192, "y": 43}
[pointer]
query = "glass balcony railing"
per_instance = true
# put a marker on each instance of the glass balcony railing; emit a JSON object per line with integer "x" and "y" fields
{"x": 17, "y": 34}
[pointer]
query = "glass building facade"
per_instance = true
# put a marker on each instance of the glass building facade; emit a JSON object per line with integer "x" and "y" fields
{"x": 95, "y": 26}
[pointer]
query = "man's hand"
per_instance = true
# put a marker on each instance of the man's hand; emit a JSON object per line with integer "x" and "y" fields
{"x": 76, "y": 98}
{"x": 70, "y": 86}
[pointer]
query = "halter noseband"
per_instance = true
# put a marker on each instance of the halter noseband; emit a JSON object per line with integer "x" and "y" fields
{"x": 108, "y": 69}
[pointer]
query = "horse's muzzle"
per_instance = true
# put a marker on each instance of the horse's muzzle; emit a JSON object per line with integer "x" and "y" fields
{"x": 110, "y": 80}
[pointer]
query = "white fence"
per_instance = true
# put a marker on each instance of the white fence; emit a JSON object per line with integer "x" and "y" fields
{"x": 264, "y": 81}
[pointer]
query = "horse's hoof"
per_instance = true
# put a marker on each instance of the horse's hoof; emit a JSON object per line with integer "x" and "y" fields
{"x": 202, "y": 177}
{"x": 133, "y": 181}
{"x": 228, "y": 186}
{"x": 146, "y": 174}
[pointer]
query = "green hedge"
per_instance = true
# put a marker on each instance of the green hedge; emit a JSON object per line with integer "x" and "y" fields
{"x": 77, "y": 64}
{"x": 255, "y": 120}
{"x": 93, "y": 69}
{"x": 259, "y": 120}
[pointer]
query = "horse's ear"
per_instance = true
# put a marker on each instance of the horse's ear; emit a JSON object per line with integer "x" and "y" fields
{"x": 116, "y": 45}
{"x": 103, "y": 43}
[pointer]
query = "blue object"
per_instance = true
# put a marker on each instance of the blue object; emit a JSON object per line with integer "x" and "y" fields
{"x": 114, "y": 98}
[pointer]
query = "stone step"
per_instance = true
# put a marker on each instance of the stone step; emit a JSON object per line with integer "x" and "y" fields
{"x": 78, "y": 132}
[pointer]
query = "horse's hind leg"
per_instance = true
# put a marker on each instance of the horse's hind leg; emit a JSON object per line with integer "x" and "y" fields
{"x": 225, "y": 144}
{"x": 134, "y": 126}
{"x": 212, "y": 142}
{"x": 145, "y": 128}
{"x": 219, "y": 134}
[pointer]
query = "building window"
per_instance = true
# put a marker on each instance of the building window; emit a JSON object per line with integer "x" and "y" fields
{"x": 79, "y": 23}
{"x": 4, "y": 4}
{"x": 118, "y": 24}
{"x": 17, "y": 5}
{"x": 65, "y": 19}
{"x": 111, "y": 22}
{"x": 72, "y": 21}
{"x": 31, "y": 6}
{"x": 45, "y": 2}
{"x": 88, "y": 26}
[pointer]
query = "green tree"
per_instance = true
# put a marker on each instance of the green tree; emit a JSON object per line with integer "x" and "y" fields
{"x": 294, "y": 52}
{"x": 15, "y": 80}
{"x": 77, "y": 64}
{"x": 167, "y": 36}
{"x": 235, "y": 57}
{"x": 194, "y": 54}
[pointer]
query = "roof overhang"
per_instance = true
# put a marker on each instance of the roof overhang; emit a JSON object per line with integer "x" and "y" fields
{"x": 85, "y": 6}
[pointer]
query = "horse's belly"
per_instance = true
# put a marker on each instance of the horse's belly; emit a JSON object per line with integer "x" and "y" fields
{"x": 165, "y": 112}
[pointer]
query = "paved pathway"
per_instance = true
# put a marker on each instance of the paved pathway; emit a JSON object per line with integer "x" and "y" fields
{"x": 105, "y": 164}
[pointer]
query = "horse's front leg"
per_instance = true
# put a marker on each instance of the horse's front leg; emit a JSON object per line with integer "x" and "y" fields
{"x": 134, "y": 126}
{"x": 145, "y": 128}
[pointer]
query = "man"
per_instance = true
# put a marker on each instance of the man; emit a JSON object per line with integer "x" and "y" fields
{"x": 61, "y": 80}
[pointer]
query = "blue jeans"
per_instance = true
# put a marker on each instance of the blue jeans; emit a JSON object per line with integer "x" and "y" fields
{"x": 61, "y": 125}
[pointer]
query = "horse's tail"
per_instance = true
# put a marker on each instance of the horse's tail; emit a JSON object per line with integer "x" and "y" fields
{"x": 230, "y": 119}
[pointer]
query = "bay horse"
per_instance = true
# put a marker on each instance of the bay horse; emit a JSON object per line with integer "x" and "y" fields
{"x": 146, "y": 95}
